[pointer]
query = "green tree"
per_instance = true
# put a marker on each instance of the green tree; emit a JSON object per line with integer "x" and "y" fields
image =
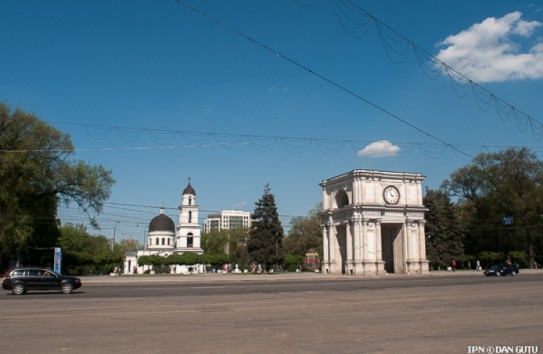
{"x": 128, "y": 245}
{"x": 216, "y": 260}
{"x": 231, "y": 243}
{"x": 443, "y": 234}
{"x": 265, "y": 244}
{"x": 305, "y": 233}
{"x": 495, "y": 185}
{"x": 37, "y": 172}
{"x": 293, "y": 262}
{"x": 154, "y": 260}
{"x": 215, "y": 241}
{"x": 86, "y": 254}
{"x": 237, "y": 246}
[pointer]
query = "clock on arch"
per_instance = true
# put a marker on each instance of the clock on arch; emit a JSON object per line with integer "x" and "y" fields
{"x": 391, "y": 195}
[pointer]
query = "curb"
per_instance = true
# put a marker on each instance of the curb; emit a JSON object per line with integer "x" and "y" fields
{"x": 131, "y": 279}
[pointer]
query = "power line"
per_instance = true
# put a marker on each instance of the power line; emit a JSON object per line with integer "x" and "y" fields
{"x": 262, "y": 143}
{"x": 396, "y": 45}
{"x": 107, "y": 217}
{"x": 322, "y": 77}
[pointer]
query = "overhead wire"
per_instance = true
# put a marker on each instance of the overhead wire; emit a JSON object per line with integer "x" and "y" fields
{"x": 107, "y": 217}
{"x": 483, "y": 97}
{"x": 320, "y": 76}
{"x": 261, "y": 143}
{"x": 431, "y": 66}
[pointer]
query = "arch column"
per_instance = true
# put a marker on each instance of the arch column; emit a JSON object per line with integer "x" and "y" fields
{"x": 379, "y": 263}
{"x": 326, "y": 248}
{"x": 357, "y": 234}
{"x": 412, "y": 240}
{"x": 335, "y": 253}
{"x": 349, "y": 240}
{"x": 423, "y": 262}
{"x": 405, "y": 249}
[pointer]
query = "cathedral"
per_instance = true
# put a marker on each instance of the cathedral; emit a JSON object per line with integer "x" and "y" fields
{"x": 164, "y": 238}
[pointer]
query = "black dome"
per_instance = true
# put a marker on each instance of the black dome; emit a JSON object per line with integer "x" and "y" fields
{"x": 189, "y": 190}
{"x": 162, "y": 223}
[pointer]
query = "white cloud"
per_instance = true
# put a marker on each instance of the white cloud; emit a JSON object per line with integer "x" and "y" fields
{"x": 241, "y": 204}
{"x": 273, "y": 89}
{"x": 495, "y": 50}
{"x": 381, "y": 148}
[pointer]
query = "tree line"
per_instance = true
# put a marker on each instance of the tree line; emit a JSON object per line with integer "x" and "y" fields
{"x": 490, "y": 210}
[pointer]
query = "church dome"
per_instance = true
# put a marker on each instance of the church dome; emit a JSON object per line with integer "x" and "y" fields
{"x": 189, "y": 190}
{"x": 162, "y": 223}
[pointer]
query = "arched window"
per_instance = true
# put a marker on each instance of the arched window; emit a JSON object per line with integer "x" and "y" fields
{"x": 163, "y": 241}
{"x": 156, "y": 241}
{"x": 342, "y": 199}
{"x": 190, "y": 240}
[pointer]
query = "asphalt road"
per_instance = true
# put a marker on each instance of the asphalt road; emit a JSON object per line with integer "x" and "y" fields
{"x": 455, "y": 313}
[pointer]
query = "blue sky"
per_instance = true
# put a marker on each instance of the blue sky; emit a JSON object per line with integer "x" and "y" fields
{"x": 221, "y": 103}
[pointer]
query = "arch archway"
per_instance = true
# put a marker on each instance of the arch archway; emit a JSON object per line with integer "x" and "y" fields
{"x": 342, "y": 199}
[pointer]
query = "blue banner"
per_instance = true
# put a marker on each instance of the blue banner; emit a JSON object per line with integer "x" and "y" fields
{"x": 58, "y": 260}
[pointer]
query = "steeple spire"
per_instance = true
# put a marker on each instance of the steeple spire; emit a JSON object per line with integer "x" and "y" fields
{"x": 188, "y": 189}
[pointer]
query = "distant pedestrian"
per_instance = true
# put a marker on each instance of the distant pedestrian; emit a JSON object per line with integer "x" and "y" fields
{"x": 453, "y": 265}
{"x": 478, "y": 265}
{"x": 469, "y": 265}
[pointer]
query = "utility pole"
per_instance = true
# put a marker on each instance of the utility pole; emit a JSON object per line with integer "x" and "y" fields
{"x": 114, "y": 230}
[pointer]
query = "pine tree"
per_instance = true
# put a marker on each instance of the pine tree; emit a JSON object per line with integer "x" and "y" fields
{"x": 444, "y": 237}
{"x": 265, "y": 244}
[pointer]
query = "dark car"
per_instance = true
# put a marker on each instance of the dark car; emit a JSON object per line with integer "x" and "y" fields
{"x": 22, "y": 279}
{"x": 502, "y": 269}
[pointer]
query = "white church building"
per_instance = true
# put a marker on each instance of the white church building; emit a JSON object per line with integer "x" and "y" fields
{"x": 164, "y": 238}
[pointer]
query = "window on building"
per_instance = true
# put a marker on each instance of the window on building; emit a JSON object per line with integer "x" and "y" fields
{"x": 190, "y": 240}
{"x": 190, "y": 217}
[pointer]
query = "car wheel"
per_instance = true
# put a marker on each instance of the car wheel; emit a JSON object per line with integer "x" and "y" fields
{"x": 66, "y": 288}
{"x": 18, "y": 289}
{"x": 498, "y": 274}
{"x": 513, "y": 273}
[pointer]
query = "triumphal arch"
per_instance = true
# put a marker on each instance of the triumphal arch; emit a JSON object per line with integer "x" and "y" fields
{"x": 373, "y": 223}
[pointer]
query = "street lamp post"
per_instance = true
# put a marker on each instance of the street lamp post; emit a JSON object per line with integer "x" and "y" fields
{"x": 114, "y": 230}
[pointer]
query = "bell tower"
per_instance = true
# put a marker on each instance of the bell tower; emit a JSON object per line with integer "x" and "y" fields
{"x": 188, "y": 230}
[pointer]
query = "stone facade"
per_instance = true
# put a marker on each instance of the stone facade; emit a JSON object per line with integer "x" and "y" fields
{"x": 373, "y": 223}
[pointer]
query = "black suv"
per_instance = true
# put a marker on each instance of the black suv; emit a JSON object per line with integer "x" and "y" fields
{"x": 502, "y": 269}
{"x": 20, "y": 280}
